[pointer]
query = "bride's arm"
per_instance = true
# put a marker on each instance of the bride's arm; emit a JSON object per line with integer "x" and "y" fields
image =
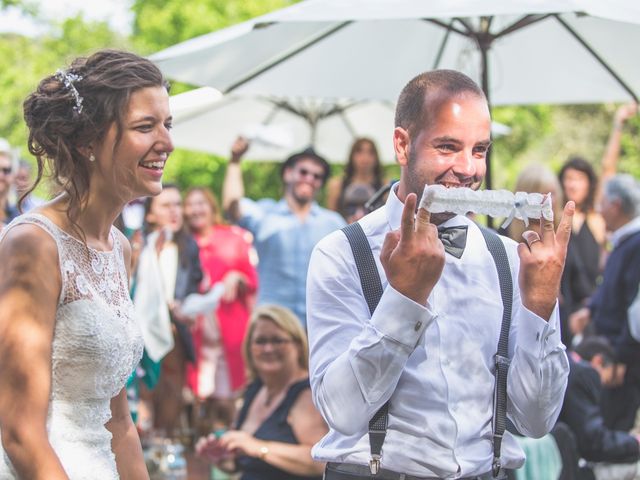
{"x": 29, "y": 288}
{"x": 126, "y": 443}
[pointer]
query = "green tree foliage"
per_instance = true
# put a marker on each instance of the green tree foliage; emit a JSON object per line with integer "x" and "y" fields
{"x": 10, "y": 3}
{"x": 551, "y": 134}
{"x": 161, "y": 23}
{"x": 527, "y": 124}
{"x": 24, "y": 61}
{"x": 631, "y": 148}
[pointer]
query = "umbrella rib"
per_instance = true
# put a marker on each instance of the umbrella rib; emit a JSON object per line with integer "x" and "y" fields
{"x": 348, "y": 124}
{"x": 448, "y": 27}
{"x": 595, "y": 55}
{"x": 284, "y": 105}
{"x": 306, "y": 115}
{"x": 287, "y": 55}
{"x": 276, "y": 106}
{"x": 443, "y": 45}
{"x": 470, "y": 31}
{"x": 489, "y": 20}
{"x": 338, "y": 109}
{"x": 522, "y": 23}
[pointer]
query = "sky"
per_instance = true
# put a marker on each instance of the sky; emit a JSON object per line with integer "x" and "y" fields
{"x": 116, "y": 12}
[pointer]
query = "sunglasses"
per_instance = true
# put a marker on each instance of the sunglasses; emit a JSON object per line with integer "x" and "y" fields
{"x": 275, "y": 341}
{"x": 6, "y": 170}
{"x": 303, "y": 172}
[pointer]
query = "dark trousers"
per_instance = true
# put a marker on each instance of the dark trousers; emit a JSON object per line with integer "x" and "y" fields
{"x": 620, "y": 404}
{"x": 344, "y": 471}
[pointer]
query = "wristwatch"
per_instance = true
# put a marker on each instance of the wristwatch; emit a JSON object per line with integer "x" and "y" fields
{"x": 264, "y": 451}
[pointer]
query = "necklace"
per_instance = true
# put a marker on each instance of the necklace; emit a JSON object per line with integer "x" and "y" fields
{"x": 270, "y": 397}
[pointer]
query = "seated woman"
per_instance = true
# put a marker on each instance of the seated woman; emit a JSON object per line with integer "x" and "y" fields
{"x": 278, "y": 423}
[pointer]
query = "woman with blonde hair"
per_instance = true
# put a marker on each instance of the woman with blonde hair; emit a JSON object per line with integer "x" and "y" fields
{"x": 278, "y": 423}
{"x": 574, "y": 286}
{"x": 536, "y": 178}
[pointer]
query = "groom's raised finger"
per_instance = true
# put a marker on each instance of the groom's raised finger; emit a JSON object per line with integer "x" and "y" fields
{"x": 547, "y": 227}
{"x": 407, "y": 225}
{"x": 423, "y": 219}
{"x": 563, "y": 234}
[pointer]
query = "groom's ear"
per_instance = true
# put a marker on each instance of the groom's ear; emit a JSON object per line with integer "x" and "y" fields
{"x": 402, "y": 145}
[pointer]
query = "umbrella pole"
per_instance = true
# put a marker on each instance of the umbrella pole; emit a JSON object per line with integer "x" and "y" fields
{"x": 485, "y": 88}
{"x": 314, "y": 124}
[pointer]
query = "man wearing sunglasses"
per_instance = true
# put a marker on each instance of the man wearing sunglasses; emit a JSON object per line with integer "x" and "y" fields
{"x": 7, "y": 211}
{"x": 284, "y": 231}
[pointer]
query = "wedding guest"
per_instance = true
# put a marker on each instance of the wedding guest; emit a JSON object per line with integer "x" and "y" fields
{"x": 363, "y": 176}
{"x": 226, "y": 257}
{"x": 278, "y": 422}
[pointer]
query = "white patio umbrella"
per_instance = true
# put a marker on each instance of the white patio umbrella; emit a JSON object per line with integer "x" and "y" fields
{"x": 205, "y": 120}
{"x": 521, "y": 52}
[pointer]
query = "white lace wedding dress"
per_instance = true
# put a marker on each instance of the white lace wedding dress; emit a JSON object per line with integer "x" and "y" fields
{"x": 96, "y": 346}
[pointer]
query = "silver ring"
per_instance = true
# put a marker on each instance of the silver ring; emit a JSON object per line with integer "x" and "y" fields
{"x": 533, "y": 241}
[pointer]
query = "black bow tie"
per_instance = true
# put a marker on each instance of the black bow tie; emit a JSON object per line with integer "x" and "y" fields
{"x": 454, "y": 239}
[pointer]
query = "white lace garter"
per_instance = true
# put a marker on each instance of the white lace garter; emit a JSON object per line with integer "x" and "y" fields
{"x": 495, "y": 203}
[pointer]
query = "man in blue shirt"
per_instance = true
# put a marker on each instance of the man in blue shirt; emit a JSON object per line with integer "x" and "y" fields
{"x": 284, "y": 231}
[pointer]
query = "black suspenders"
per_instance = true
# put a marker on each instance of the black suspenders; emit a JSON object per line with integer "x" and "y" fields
{"x": 372, "y": 289}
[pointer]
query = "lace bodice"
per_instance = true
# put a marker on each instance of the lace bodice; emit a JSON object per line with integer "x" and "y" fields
{"x": 96, "y": 346}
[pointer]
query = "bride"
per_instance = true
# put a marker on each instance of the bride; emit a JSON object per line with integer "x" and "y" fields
{"x": 68, "y": 339}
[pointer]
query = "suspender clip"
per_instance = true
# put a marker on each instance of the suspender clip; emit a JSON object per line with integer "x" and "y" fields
{"x": 374, "y": 464}
{"x": 496, "y": 467}
{"x": 500, "y": 360}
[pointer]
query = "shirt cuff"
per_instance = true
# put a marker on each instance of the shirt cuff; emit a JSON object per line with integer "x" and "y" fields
{"x": 537, "y": 336}
{"x": 400, "y": 318}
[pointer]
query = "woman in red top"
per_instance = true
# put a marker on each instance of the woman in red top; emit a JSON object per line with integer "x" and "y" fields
{"x": 227, "y": 257}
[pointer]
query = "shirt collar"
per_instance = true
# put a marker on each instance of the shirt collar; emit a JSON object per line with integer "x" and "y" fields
{"x": 283, "y": 207}
{"x": 394, "y": 209}
{"x": 625, "y": 231}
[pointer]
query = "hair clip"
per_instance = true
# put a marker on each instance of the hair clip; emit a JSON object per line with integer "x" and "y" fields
{"x": 68, "y": 78}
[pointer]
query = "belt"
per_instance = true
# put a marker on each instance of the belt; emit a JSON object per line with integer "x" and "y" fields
{"x": 350, "y": 471}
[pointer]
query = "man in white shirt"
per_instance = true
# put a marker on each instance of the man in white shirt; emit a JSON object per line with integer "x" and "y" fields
{"x": 429, "y": 347}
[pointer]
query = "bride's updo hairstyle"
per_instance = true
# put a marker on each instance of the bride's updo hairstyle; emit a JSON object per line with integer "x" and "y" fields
{"x": 74, "y": 108}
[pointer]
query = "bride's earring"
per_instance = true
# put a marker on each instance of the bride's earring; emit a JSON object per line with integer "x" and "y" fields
{"x": 92, "y": 158}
